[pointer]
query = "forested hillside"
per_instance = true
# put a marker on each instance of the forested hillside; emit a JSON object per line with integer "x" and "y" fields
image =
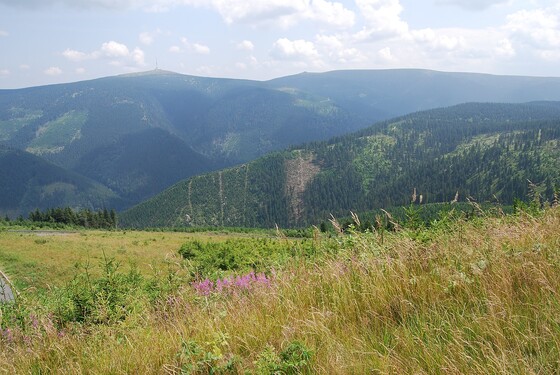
{"x": 29, "y": 182}
{"x": 481, "y": 151}
{"x": 138, "y": 134}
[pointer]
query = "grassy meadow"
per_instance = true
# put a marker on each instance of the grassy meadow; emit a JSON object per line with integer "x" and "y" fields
{"x": 478, "y": 296}
{"x": 48, "y": 258}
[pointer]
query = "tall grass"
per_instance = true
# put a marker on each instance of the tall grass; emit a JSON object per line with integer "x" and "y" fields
{"x": 477, "y": 297}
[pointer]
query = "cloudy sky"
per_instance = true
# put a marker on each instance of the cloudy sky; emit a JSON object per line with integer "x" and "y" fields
{"x": 52, "y": 41}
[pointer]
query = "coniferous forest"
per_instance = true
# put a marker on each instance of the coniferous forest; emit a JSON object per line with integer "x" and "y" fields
{"x": 480, "y": 152}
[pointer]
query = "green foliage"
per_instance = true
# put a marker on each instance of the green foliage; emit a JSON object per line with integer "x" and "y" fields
{"x": 482, "y": 298}
{"x": 29, "y": 183}
{"x": 294, "y": 359}
{"x": 193, "y": 359}
{"x": 137, "y": 135}
{"x": 107, "y": 299}
{"x": 101, "y": 219}
{"x": 133, "y": 136}
{"x": 215, "y": 258}
{"x": 483, "y": 152}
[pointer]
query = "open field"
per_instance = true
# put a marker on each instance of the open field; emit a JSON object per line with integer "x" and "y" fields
{"x": 42, "y": 258}
{"x": 479, "y": 296}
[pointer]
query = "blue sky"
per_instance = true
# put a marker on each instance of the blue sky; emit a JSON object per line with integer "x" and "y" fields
{"x": 53, "y": 41}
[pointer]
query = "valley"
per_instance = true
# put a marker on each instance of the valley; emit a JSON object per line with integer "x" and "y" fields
{"x": 483, "y": 152}
{"x": 132, "y": 136}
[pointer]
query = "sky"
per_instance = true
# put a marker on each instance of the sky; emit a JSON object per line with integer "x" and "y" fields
{"x": 55, "y": 41}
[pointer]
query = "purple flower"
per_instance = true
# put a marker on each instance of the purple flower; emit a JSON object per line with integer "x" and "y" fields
{"x": 203, "y": 288}
{"x": 231, "y": 284}
{"x": 260, "y": 278}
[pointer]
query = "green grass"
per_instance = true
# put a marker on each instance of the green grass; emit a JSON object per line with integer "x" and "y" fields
{"x": 469, "y": 297}
{"x": 57, "y": 254}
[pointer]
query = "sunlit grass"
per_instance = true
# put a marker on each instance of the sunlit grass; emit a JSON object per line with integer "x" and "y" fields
{"x": 38, "y": 261}
{"x": 480, "y": 297}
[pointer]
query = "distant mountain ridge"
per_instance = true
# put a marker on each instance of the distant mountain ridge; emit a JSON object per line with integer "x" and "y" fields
{"x": 34, "y": 182}
{"x": 139, "y": 133}
{"x": 483, "y": 151}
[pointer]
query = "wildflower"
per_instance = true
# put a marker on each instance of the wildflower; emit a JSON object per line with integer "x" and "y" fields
{"x": 262, "y": 279}
{"x": 231, "y": 284}
{"x": 203, "y": 287}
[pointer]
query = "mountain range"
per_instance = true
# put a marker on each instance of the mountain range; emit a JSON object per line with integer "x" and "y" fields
{"x": 480, "y": 151}
{"x": 116, "y": 141}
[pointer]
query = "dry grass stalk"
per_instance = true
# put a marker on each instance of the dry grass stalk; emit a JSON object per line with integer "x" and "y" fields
{"x": 356, "y": 219}
{"x": 393, "y": 222}
{"x": 336, "y": 225}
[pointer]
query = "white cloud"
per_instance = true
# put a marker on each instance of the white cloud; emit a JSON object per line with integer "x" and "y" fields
{"x": 472, "y": 4}
{"x": 437, "y": 40}
{"x": 294, "y": 49}
{"x": 279, "y": 12}
{"x": 4, "y": 72}
{"x": 80, "y": 70}
{"x": 505, "y": 48}
{"x": 331, "y": 13}
{"x": 3, "y": 33}
{"x": 148, "y": 37}
{"x": 114, "y": 49}
{"x": 253, "y": 12}
{"x": 246, "y": 45}
{"x": 256, "y": 11}
{"x": 24, "y": 67}
{"x": 53, "y": 71}
{"x": 195, "y": 47}
{"x": 119, "y": 54}
{"x": 201, "y": 49}
{"x": 138, "y": 57}
{"x": 386, "y": 54}
{"x": 330, "y": 41}
{"x": 539, "y": 28}
{"x": 336, "y": 49}
{"x": 382, "y": 18}
{"x": 175, "y": 49}
{"x": 74, "y": 55}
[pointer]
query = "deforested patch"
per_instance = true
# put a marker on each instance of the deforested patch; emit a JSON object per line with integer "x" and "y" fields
{"x": 300, "y": 171}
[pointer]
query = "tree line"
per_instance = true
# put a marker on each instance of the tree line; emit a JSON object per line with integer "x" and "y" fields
{"x": 99, "y": 219}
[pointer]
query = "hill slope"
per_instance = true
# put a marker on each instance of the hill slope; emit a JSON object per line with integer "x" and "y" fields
{"x": 485, "y": 151}
{"x": 137, "y": 134}
{"x": 375, "y": 95}
{"x": 36, "y": 183}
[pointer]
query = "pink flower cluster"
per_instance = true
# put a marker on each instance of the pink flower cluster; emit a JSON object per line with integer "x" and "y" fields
{"x": 230, "y": 284}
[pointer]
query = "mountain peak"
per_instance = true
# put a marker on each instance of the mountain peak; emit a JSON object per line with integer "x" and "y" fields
{"x": 153, "y": 72}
